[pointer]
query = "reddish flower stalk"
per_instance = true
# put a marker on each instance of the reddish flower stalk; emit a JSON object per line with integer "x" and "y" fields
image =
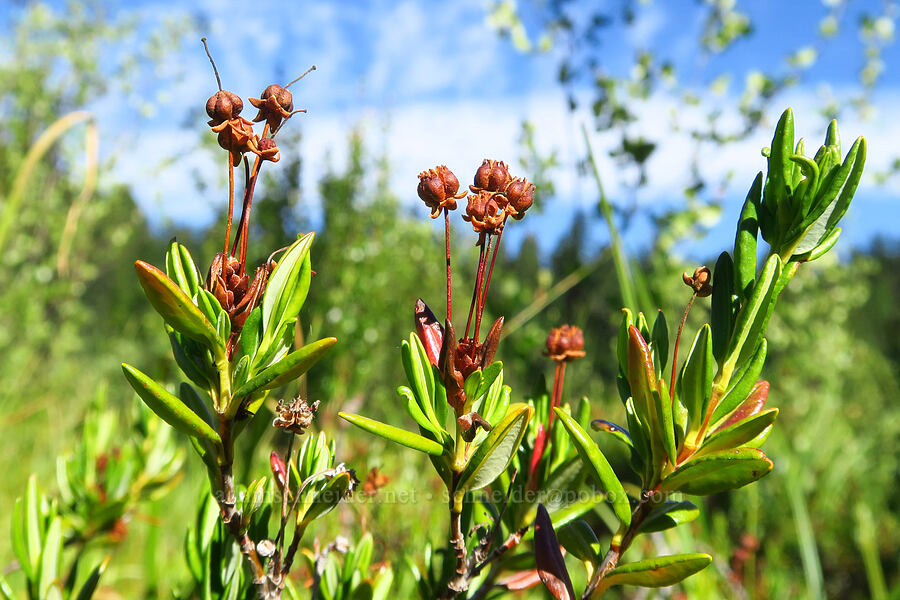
{"x": 447, "y": 242}
{"x": 481, "y": 261}
{"x": 699, "y": 282}
{"x": 479, "y": 303}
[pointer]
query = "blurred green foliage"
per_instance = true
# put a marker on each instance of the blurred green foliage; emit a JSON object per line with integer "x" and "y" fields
{"x": 829, "y": 514}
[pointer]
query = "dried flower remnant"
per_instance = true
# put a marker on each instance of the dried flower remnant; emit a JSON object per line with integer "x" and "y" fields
{"x": 700, "y": 281}
{"x": 375, "y": 480}
{"x": 565, "y": 343}
{"x": 295, "y": 416}
{"x": 438, "y": 189}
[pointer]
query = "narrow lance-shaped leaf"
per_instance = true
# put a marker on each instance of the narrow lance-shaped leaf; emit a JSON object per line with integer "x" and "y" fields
{"x": 168, "y": 407}
{"x": 723, "y": 308}
{"x": 660, "y": 339}
{"x": 669, "y": 514}
{"x": 752, "y": 405}
{"x": 697, "y": 377}
{"x": 597, "y": 464}
{"x": 550, "y": 563}
{"x": 181, "y": 272}
{"x": 718, "y": 472}
{"x": 753, "y": 316}
{"x": 287, "y": 287}
{"x": 395, "y": 434}
{"x": 497, "y": 450}
{"x": 745, "y": 241}
{"x": 288, "y": 368}
{"x": 174, "y": 305}
{"x": 661, "y": 571}
{"x": 745, "y": 381}
{"x": 739, "y": 433}
{"x": 93, "y": 580}
{"x": 663, "y": 407}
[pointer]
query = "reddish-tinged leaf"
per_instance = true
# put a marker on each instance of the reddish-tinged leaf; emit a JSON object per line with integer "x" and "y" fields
{"x": 174, "y": 306}
{"x": 539, "y": 441}
{"x": 550, "y": 564}
{"x": 641, "y": 375}
{"x": 278, "y": 468}
{"x": 749, "y": 407}
{"x": 429, "y": 330}
{"x": 521, "y": 580}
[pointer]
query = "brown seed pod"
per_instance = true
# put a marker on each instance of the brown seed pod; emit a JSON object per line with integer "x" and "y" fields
{"x": 223, "y": 106}
{"x": 565, "y": 343}
{"x": 275, "y": 104}
{"x": 437, "y": 189}
{"x": 484, "y": 213}
{"x": 492, "y": 176}
{"x": 700, "y": 282}
{"x": 266, "y": 149}
{"x": 520, "y": 196}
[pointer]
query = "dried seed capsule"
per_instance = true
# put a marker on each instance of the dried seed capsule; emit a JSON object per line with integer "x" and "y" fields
{"x": 275, "y": 104}
{"x": 266, "y": 149}
{"x": 492, "y": 176}
{"x": 437, "y": 189}
{"x": 485, "y": 213}
{"x": 295, "y": 416}
{"x": 565, "y": 343}
{"x": 700, "y": 282}
{"x": 223, "y": 106}
{"x": 520, "y": 196}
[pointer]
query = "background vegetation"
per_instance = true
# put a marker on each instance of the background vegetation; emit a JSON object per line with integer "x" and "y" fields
{"x": 826, "y": 523}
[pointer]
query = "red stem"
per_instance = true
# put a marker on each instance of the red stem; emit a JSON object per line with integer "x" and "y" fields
{"x": 230, "y": 202}
{"x": 559, "y": 375}
{"x": 677, "y": 341}
{"x": 487, "y": 283}
{"x": 479, "y": 310}
{"x": 447, "y": 240}
{"x": 481, "y": 259}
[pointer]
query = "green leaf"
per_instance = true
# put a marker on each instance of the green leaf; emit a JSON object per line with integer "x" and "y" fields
{"x": 744, "y": 384}
{"x": 669, "y": 514}
{"x": 660, "y": 341}
{"x": 325, "y": 499}
{"x": 718, "y": 472}
{"x": 597, "y": 464}
{"x": 33, "y": 525}
{"x": 6, "y": 592}
{"x": 249, "y": 340}
{"x": 288, "y": 368}
{"x": 745, "y": 241}
{"x": 849, "y": 189}
{"x": 418, "y": 379}
{"x": 824, "y": 246}
{"x": 175, "y": 307}
{"x": 471, "y": 385}
{"x": 697, "y": 377}
{"x": 189, "y": 358}
{"x": 550, "y": 563}
{"x": 578, "y": 538}
{"x": 663, "y": 407}
{"x": 90, "y": 585}
{"x": 412, "y": 407}
{"x": 488, "y": 376}
{"x": 723, "y": 306}
{"x": 780, "y": 168}
{"x": 754, "y": 315}
{"x": 395, "y": 434}
{"x": 641, "y": 374}
{"x": 739, "y": 433}
{"x": 20, "y": 537}
{"x": 661, "y": 571}
{"x": 494, "y": 454}
{"x": 287, "y": 287}
{"x": 168, "y": 407}
{"x": 181, "y": 269}
{"x": 50, "y": 553}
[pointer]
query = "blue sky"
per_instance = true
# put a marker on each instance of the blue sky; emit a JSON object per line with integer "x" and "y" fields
{"x": 432, "y": 82}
